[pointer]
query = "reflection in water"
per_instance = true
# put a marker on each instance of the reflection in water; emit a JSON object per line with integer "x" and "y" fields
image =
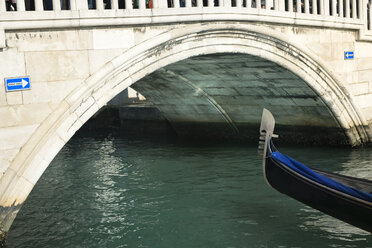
{"x": 358, "y": 164}
{"x": 107, "y": 191}
{"x": 333, "y": 228}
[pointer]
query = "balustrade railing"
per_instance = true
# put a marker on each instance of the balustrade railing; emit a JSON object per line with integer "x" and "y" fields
{"x": 344, "y": 10}
{"x": 340, "y": 8}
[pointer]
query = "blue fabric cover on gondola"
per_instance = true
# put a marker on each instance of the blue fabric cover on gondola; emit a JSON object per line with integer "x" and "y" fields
{"x": 307, "y": 172}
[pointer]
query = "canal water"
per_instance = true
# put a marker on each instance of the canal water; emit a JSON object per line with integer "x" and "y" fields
{"x": 105, "y": 190}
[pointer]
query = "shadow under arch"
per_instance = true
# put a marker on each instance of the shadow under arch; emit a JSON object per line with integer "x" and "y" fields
{"x": 149, "y": 56}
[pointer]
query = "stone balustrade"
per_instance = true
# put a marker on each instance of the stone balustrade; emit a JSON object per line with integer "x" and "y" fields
{"x": 344, "y": 9}
{"x": 49, "y": 14}
{"x": 354, "y": 14}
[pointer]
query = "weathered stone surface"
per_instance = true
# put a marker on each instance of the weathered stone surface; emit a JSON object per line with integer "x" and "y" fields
{"x": 57, "y": 65}
{"x": 14, "y": 98}
{"x": 364, "y": 101}
{"x": 2, "y": 95}
{"x": 112, "y": 38}
{"x": 49, "y": 92}
{"x": 12, "y": 64}
{"x": 6, "y": 157}
{"x": 360, "y": 88}
{"x": 15, "y": 137}
{"x": 50, "y": 40}
{"x": 363, "y": 50}
{"x": 97, "y": 58}
{"x": 364, "y": 76}
{"x": 18, "y": 115}
{"x": 368, "y": 116}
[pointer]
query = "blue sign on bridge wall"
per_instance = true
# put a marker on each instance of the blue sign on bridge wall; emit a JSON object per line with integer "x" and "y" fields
{"x": 15, "y": 84}
{"x": 349, "y": 55}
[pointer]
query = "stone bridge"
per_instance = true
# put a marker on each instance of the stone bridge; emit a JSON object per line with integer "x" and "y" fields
{"x": 213, "y": 64}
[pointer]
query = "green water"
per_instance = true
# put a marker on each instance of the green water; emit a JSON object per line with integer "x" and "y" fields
{"x": 108, "y": 191}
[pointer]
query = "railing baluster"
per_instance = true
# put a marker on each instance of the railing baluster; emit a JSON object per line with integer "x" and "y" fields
{"x": 347, "y": 8}
{"x": 276, "y": 5}
{"x": 225, "y": 3}
{"x": 39, "y": 6}
{"x": 115, "y": 4}
{"x": 99, "y": 4}
{"x": 199, "y": 3}
{"x": 249, "y": 4}
{"x": 268, "y": 4}
{"x": 56, "y": 5}
{"x": 281, "y": 5}
{"x": 315, "y": 7}
{"x": 176, "y": 4}
{"x": 73, "y": 5}
{"x": 362, "y": 5}
{"x": 20, "y": 5}
{"x": 307, "y": 6}
{"x": 333, "y": 7}
{"x": 188, "y": 3}
{"x": 142, "y": 4}
{"x": 290, "y": 5}
{"x": 80, "y": 5}
{"x": 298, "y": 6}
{"x": 326, "y": 7}
{"x": 321, "y": 7}
{"x": 238, "y": 3}
{"x": 353, "y": 9}
{"x": 341, "y": 8}
{"x": 2, "y": 6}
{"x": 128, "y": 4}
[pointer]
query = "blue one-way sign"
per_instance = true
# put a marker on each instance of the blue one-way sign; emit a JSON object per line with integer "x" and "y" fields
{"x": 349, "y": 55}
{"x": 15, "y": 84}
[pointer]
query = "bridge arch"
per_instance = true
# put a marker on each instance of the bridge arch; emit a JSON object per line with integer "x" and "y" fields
{"x": 149, "y": 56}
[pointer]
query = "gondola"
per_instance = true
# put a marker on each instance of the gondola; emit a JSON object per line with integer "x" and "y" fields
{"x": 346, "y": 198}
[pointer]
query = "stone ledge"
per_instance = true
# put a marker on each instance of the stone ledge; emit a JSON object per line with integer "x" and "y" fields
{"x": 88, "y": 18}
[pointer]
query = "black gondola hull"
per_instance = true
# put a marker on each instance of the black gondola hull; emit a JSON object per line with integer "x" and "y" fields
{"x": 339, "y": 205}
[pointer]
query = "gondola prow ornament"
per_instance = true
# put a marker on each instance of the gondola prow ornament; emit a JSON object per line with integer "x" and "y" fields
{"x": 266, "y": 131}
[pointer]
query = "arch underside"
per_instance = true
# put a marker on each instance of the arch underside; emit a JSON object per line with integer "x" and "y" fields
{"x": 221, "y": 96}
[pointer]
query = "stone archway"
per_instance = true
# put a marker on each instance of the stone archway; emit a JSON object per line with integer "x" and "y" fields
{"x": 151, "y": 55}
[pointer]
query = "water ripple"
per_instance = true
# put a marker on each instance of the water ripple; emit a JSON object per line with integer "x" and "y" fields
{"x": 107, "y": 191}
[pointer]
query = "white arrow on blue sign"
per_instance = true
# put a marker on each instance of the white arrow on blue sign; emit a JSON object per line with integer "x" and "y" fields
{"x": 15, "y": 84}
{"x": 349, "y": 55}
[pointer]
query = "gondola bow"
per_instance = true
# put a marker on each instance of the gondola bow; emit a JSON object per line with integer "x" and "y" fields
{"x": 346, "y": 198}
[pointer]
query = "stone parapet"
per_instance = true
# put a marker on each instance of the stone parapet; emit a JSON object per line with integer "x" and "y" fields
{"x": 331, "y": 14}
